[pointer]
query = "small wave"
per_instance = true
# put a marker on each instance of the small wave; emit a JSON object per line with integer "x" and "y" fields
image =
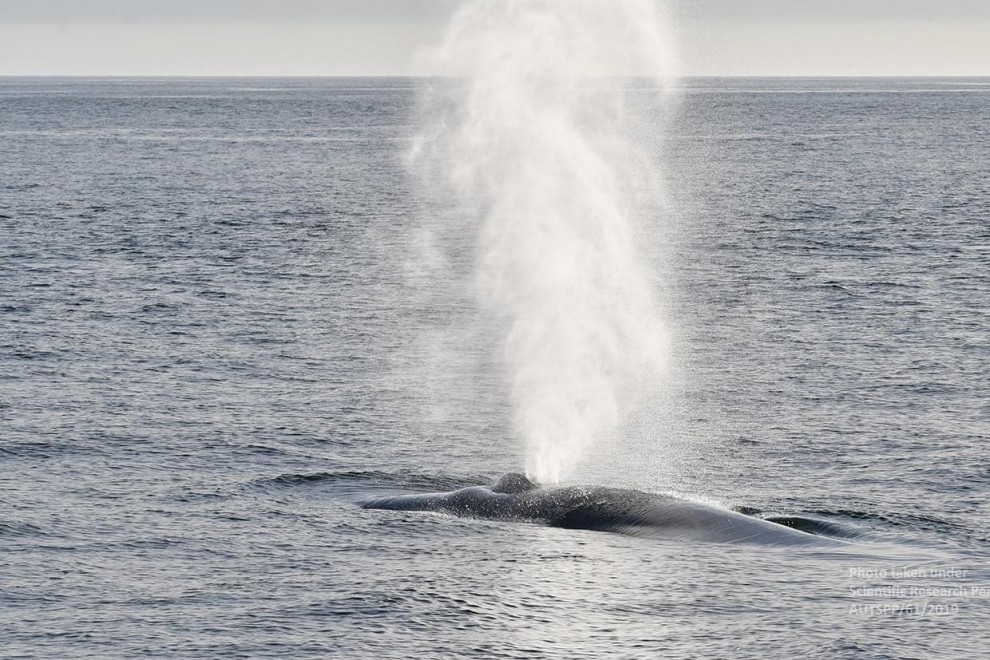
{"x": 19, "y": 528}
{"x": 361, "y": 481}
{"x": 854, "y": 523}
{"x": 835, "y": 286}
{"x": 819, "y": 526}
{"x": 22, "y": 187}
{"x": 816, "y": 526}
{"x": 891, "y": 519}
{"x": 31, "y": 449}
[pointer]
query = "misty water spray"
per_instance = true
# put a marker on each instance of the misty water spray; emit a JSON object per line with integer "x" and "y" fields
{"x": 540, "y": 130}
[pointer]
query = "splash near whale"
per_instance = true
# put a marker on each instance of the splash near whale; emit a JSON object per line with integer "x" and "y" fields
{"x": 542, "y": 132}
{"x": 515, "y": 498}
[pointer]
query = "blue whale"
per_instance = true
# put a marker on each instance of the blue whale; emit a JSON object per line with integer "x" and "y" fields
{"x": 619, "y": 510}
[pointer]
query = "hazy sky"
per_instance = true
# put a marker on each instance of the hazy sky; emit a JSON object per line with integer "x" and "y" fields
{"x": 380, "y": 37}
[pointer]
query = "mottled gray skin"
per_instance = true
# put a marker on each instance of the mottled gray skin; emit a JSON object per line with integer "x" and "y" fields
{"x": 514, "y": 497}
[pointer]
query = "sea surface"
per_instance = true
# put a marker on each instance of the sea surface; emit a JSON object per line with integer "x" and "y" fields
{"x": 213, "y": 342}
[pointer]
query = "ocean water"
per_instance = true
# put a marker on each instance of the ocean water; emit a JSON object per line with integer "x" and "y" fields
{"x": 214, "y": 339}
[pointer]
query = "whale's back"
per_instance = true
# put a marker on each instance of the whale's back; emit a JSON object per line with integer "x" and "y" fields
{"x": 652, "y": 515}
{"x": 618, "y": 510}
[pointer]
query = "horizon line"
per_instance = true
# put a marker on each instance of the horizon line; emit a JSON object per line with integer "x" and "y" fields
{"x": 863, "y": 76}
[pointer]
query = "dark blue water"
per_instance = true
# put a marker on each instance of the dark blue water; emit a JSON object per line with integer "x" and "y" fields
{"x": 212, "y": 341}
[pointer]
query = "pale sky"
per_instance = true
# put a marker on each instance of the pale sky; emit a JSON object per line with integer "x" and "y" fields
{"x": 381, "y": 37}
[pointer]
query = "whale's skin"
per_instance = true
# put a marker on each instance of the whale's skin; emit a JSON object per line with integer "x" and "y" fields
{"x": 601, "y": 508}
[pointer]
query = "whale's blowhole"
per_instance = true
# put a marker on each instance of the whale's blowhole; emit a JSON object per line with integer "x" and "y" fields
{"x": 512, "y": 483}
